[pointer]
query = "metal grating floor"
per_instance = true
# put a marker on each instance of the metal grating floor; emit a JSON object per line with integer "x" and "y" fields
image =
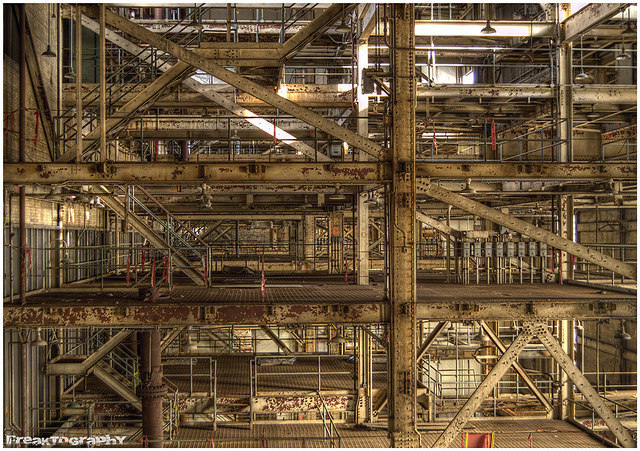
{"x": 509, "y": 433}
{"x": 328, "y": 293}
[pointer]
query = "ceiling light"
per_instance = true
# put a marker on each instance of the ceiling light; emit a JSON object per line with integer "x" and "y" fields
{"x": 582, "y": 76}
{"x": 468, "y": 189}
{"x": 189, "y": 346}
{"x": 337, "y": 339}
{"x": 592, "y": 115}
{"x": 38, "y": 341}
{"x": 343, "y": 27}
{"x": 488, "y": 29}
{"x": 622, "y": 334}
{"x": 205, "y": 115}
{"x": 337, "y": 197}
{"x": 74, "y": 405}
{"x": 623, "y": 55}
{"x": 499, "y": 113}
{"x": 482, "y": 338}
{"x": 50, "y": 53}
{"x": 70, "y": 74}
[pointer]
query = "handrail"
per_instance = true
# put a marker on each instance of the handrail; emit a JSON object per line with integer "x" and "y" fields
{"x": 163, "y": 224}
{"x": 146, "y": 193}
{"x": 331, "y": 429}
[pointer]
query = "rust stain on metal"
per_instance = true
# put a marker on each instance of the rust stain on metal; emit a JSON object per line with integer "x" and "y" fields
{"x": 356, "y": 174}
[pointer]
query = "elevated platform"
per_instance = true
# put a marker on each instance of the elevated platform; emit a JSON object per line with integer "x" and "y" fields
{"x": 299, "y": 302}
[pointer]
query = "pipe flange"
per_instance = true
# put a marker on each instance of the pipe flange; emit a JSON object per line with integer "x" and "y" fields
{"x": 158, "y": 391}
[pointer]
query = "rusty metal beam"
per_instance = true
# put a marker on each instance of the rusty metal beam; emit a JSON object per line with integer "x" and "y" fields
{"x": 262, "y": 124}
{"x": 588, "y": 18}
{"x": 431, "y": 338}
{"x": 528, "y": 229}
{"x": 623, "y": 94}
{"x": 402, "y": 237}
{"x": 516, "y": 366}
{"x": 174, "y": 315}
{"x": 124, "y": 114}
{"x": 592, "y": 396}
{"x": 214, "y": 314}
{"x": 313, "y": 29}
{"x": 454, "y": 428}
{"x": 281, "y": 344}
{"x": 428, "y": 220}
{"x": 339, "y": 95}
{"x": 303, "y": 173}
{"x": 242, "y": 83}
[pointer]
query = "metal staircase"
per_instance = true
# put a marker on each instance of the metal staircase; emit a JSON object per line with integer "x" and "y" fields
{"x": 178, "y": 256}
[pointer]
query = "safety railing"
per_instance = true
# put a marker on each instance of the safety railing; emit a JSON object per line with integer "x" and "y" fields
{"x": 590, "y": 272}
{"x": 620, "y": 411}
{"x": 329, "y": 429}
{"x": 184, "y": 367}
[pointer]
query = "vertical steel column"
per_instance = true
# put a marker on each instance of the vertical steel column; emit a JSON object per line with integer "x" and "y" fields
{"x": 103, "y": 86}
{"x": 309, "y": 238}
{"x": 22, "y": 152}
{"x": 79, "y": 83}
{"x": 402, "y": 220}
{"x": 565, "y": 94}
{"x": 184, "y": 150}
{"x": 152, "y": 389}
{"x": 362, "y": 238}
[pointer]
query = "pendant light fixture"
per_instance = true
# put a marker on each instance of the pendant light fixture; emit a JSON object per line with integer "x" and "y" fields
{"x": 623, "y": 55}
{"x": 582, "y": 76}
{"x": 49, "y": 53}
{"x": 38, "y": 342}
{"x": 72, "y": 72}
{"x": 488, "y": 29}
{"x": 343, "y": 27}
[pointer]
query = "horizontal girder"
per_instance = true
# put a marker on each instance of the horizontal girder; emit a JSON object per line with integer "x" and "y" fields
{"x": 307, "y": 173}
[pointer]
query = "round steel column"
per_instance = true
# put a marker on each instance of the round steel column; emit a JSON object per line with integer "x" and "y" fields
{"x": 151, "y": 389}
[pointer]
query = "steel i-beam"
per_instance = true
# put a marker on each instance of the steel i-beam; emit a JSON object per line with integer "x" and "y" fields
{"x": 240, "y": 82}
{"x": 488, "y": 383}
{"x": 402, "y": 220}
{"x": 590, "y": 394}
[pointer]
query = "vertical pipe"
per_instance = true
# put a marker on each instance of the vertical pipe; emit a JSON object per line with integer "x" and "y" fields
{"x": 24, "y": 392}
{"x": 78, "y": 83}
{"x": 22, "y": 149}
{"x": 184, "y": 150}
{"x": 152, "y": 389}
